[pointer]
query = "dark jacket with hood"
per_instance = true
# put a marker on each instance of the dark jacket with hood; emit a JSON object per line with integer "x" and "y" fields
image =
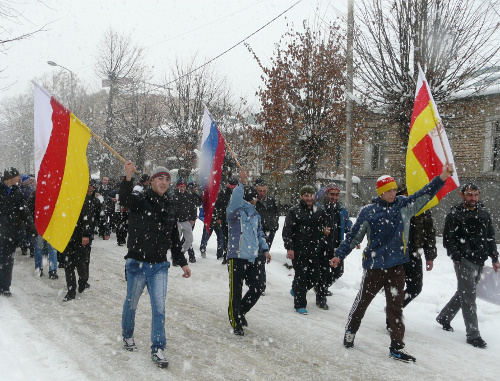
{"x": 152, "y": 226}
{"x": 269, "y": 213}
{"x": 13, "y": 209}
{"x": 470, "y": 234}
{"x": 183, "y": 203}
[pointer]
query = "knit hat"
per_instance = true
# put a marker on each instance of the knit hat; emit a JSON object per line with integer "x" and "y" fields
{"x": 181, "y": 181}
{"x": 159, "y": 171}
{"x": 25, "y": 178}
{"x": 10, "y": 173}
{"x": 330, "y": 187}
{"x": 385, "y": 183}
{"x": 307, "y": 189}
{"x": 144, "y": 177}
{"x": 260, "y": 182}
{"x": 249, "y": 194}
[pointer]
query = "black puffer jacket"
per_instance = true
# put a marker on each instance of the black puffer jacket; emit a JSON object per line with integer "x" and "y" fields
{"x": 303, "y": 229}
{"x": 269, "y": 214}
{"x": 183, "y": 203}
{"x": 13, "y": 209}
{"x": 470, "y": 234}
{"x": 423, "y": 235}
{"x": 152, "y": 227}
{"x": 221, "y": 204}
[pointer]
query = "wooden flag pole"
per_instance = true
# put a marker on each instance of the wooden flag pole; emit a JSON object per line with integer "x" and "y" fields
{"x": 117, "y": 155}
{"x": 232, "y": 153}
{"x": 439, "y": 131}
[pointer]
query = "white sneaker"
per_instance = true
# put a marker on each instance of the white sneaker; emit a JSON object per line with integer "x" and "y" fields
{"x": 159, "y": 358}
{"x": 129, "y": 344}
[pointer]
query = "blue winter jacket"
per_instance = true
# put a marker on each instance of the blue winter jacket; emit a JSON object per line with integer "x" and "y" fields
{"x": 246, "y": 237}
{"x": 387, "y": 228}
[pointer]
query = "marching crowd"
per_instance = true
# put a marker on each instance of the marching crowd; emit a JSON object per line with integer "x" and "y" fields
{"x": 152, "y": 217}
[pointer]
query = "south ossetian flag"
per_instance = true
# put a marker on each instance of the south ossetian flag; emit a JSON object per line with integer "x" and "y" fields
{"x": 213, "y": 151}
{"x": 426, "y": 156}
{"x": 61, "y": 169}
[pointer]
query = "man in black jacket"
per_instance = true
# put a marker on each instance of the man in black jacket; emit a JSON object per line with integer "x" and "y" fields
{"x": 303, "y": 235}
{"x": 12, "y": 209}
{"x": 220, "y": 213}
{"x": 469, "y": 238}
{"x": 269, "y": 215}
{"x": 152, "y": 232}
{"x": 185, "y": 215}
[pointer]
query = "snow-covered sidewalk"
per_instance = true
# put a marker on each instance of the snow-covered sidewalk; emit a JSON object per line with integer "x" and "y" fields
{"x": 44, "y": 338}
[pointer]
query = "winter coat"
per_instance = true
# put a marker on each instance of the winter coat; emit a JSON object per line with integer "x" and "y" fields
{"x": 423, "y": 235}
{"x": 338, "y": 221}
{"x": 387, "y": 226}
{"x": 470, "y": 234}
{"x": 221, "y": 204}
{"x": 152, "y": 227}
{"x": 13, "y": 209}
{"x": 303, "y": 229}
{"x": 246, "y": 237}
{"x": 183, "y": 203}
{"x": 269, "y": 214}
{"x": 84, "y": 227}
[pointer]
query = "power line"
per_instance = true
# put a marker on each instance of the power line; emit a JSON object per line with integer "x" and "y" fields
{"x": 234, "y": 46}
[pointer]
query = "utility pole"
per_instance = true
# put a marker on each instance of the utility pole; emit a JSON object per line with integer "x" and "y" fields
{"x": 72, "y": 84}
{"x": 350, "y": 102}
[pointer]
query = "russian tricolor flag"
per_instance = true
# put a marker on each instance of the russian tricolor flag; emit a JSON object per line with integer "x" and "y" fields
{"x": 213, "y": 151}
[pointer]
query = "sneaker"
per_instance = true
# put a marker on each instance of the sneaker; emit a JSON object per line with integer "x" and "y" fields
{"x": 87, "y": 285}
{"x": 159, "y": 358}
{"x": 69, "y": 296}
{"x": 446, "y": 324}
{"x": 39, "y": 272}
{"x": 192, "y": 260}
{"x": 53, "y": 275}
{"x": 129, "y": 344}
{"x": 238, "y": 331}
{"x": 322, "y": 304}
{"x": 7, "y": 293}
{"x": 81, "y": 288}
{"x": 477, "y": 342}
{"x": 302, "y": 311}
{"x": 349, "y": 339}
{"x": 401, "y": 355}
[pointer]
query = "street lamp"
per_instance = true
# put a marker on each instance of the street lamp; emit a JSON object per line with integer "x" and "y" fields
{"x": 71, "y": 74}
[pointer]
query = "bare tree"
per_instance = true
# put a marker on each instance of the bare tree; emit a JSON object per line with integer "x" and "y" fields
{"x": 453, "y": 40}
{"x": 119, "y": 63}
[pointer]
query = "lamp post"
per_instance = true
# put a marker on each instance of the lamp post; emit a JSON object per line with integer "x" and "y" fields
{"x": 71, "y": 74}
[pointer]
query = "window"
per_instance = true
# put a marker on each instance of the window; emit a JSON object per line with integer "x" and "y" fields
{"x": 378, "y": 152}
{"x": 492, "y": 146}
{"x": 496, "y": 145}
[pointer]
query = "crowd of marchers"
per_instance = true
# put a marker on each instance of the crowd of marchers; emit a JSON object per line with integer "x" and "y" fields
{"x": 152, "y": 216}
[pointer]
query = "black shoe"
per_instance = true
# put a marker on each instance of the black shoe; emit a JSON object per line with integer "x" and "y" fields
{"x": 477, "y": 342}
{"x": 159, "y": 358}
{"x": 239, "y": 331}
{"x": 322, "y": 304}
{"x": 39, "y": 272}
{"x": 120, "y": 243}
{"x": 446, "y": 324}
{"x": 349, "y": 339}
{"x": 401, "y": 355}
{"x": 69, "y": 296}
{"x": 24, "y": 251}
{"x": 224, "y": 261}
{"x": 192, "y": 260}
{"x": 53, "y": 275}
{"x": 87, "y": 285}
{"x": 7, "y": 293}
{"x": 81, "y": 288}
{"x": 244, "y": 322}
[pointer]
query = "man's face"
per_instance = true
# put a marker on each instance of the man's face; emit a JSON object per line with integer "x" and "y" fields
{"x": 182, "y": 188}
{"x": 160, "y": 184}
{"x": 333, "y": 196}
{"x": 105, "y": 180}
{"x": 261, "y": 191}
{"x": 90, "y": 190}
{"x": 308, "y": 198}
{"x": 470, "y": 197}
{"x": 389, "y": 196}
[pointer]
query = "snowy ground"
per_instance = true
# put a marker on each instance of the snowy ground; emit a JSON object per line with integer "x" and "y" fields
{"x": 43, "y": 338}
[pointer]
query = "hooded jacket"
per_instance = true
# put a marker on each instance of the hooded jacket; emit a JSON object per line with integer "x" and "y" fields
{"x": 12, "y": 209}
{"x": 246, "y": 237}
{"x": 387, "y": 226}
{"x": 470, "y": 234}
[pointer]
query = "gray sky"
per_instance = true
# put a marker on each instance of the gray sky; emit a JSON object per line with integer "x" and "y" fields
{"x": 167, "y": 29}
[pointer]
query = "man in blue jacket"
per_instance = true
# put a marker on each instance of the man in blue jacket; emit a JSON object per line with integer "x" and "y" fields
{"x": 245, "y": 240}
{"x": 386, "y": 223}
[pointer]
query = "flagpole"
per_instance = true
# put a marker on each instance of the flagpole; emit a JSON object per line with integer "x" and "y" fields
{"x": 232, "y": 153}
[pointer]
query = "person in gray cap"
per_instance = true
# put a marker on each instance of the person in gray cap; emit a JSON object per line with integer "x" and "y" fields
{"x": 152, "y": 232}
{"x": 304, "y": 236}
{"x": 12, "y": 209}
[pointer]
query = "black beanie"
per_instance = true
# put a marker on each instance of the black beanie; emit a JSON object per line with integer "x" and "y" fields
{"x": 250, "y": 194}
{"x": 10, "y": 173}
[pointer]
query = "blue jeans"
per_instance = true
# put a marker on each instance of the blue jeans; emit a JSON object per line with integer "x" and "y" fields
{"x": 154, "y": 276}
{"x": 220, "y": 240}
{"x": 40, "y": 246}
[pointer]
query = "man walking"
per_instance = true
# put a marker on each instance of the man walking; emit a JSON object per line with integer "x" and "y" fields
{"x": 469, "y": 239}
{"x": 246, "y": 240}
{"x": 185, "y": 215}
{"x": 304, "y": 238}
{"x": 152, "y": 231}
{"x": 386, "y": 223}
